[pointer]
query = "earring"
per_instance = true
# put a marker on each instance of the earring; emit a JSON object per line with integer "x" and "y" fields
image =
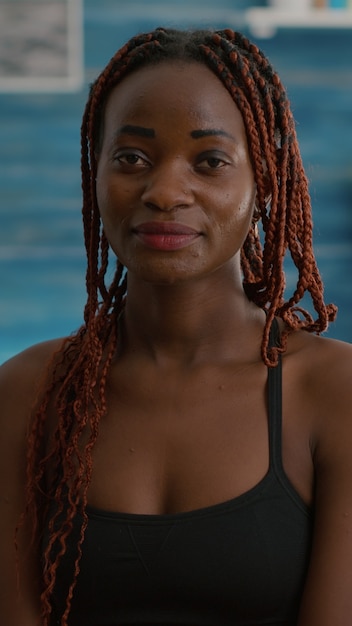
{"x": 255, "y": 229}
{"x": 256, "y": 214}
{"x": 255, "y": 219}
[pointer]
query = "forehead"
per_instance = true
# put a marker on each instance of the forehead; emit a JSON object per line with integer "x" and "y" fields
{"x": 169, "y": 89}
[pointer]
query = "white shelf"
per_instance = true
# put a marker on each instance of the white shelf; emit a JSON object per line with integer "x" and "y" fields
{"x": 264, "y": 22}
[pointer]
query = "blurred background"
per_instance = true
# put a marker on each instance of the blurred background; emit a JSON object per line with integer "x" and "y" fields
{"x": 50, "y": 50}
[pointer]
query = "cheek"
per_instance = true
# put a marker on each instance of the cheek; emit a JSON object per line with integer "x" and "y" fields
{"x": 103, "y": 193}
{"x": 234, "y": 221}
{"x": 113, "y": 196}
{"x": 246, "y": 205}
{"x": 114, "y": 211}
{"x": 238, "y": 206}
{"x": 109, "y": 202}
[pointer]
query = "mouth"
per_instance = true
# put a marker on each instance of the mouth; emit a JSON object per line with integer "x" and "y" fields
{"x": 165, "y": 235}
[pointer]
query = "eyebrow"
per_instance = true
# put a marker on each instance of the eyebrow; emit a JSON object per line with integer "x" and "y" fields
{"x": 140, "y": 131}
{"x": 208, "y": 132}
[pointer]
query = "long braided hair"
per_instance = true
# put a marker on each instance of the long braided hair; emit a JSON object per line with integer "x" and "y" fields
{"x": 78, "y": 378}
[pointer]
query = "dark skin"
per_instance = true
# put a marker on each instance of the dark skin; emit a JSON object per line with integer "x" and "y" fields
{"x": 191, "y": 339}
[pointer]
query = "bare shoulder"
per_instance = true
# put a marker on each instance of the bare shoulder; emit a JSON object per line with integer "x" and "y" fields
{"x": 21, "y": 378}
{"x": 323, "y": 368}
{"x": 321, "y": 371}
{"x": 318, "y": 346}
{"x": 36, "y": 355}
{"x": 20, "y": 381}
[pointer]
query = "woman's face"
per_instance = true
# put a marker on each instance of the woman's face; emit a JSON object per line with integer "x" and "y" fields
{"x": 175, "y": 186}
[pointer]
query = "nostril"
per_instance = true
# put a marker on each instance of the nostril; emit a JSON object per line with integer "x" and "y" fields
{"x": 166, "y": 207}
{"x": 166, "y": 199}
{"x": 152, "y": 206}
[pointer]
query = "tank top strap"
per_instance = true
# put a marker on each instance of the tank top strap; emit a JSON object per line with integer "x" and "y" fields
{"x": 274, "y": 395}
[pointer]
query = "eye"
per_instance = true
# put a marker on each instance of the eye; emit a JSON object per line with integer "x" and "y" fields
{"x": 212, "y": 162}
{"x": 130, "y": 159}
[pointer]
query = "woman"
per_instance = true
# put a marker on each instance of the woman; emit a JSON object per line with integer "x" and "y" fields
{"x": 188, "y": 449}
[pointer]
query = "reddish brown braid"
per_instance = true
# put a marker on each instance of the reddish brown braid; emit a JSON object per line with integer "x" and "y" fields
{"x": 79, "y": 370}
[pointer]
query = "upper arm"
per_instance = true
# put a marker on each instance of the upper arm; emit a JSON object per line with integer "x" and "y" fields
{"x": 327, "y": 599}
{"x": 19, "y": 570}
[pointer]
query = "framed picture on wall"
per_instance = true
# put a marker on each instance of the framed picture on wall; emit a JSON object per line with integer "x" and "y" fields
{"x": 41, "y": 45}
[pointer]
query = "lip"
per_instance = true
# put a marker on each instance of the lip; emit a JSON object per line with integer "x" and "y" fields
{"x": 165, "y": 235}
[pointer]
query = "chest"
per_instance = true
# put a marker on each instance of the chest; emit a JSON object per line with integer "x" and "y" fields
{"x": 181, "y": 442}
{"x": 240, "y": 562}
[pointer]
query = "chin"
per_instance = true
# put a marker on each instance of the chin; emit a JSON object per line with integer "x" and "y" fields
{"x": 164, "y": 274}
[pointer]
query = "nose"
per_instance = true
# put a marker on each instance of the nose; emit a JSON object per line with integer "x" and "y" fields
{"x": 168, "y": 188}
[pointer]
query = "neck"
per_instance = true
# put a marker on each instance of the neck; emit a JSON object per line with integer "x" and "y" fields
{"x": 190, "y": 323}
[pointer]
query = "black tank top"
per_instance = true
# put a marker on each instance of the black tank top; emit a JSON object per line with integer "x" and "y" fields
{"x": 239, "y": 563}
